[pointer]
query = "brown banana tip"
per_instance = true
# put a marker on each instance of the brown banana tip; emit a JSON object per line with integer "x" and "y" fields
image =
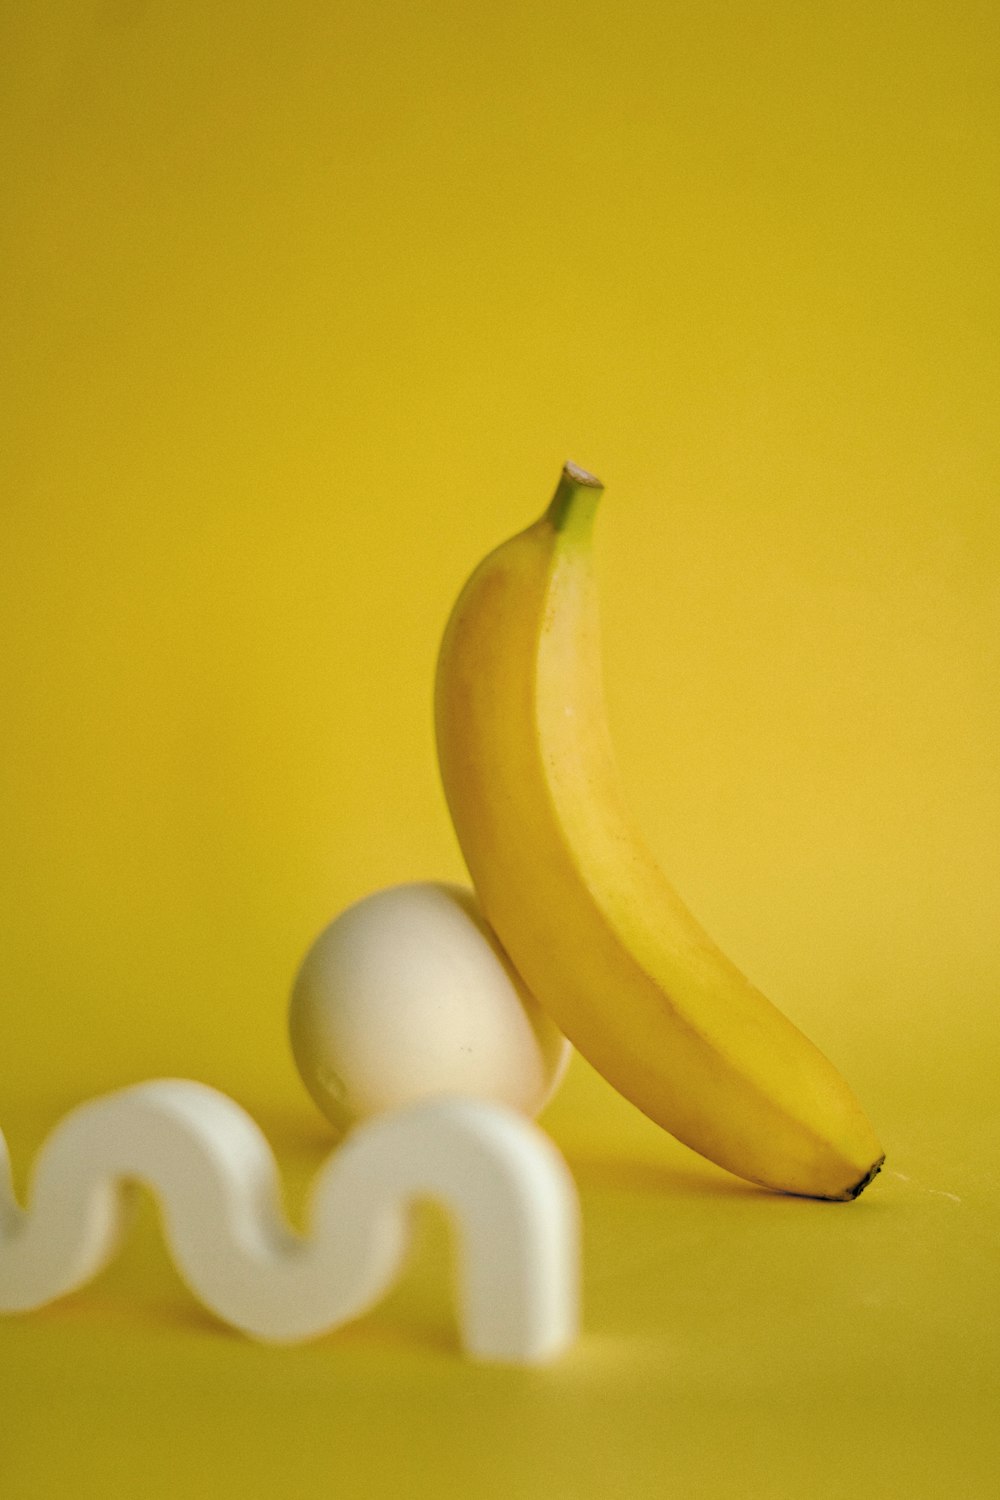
{"x": 869, "y": 1176}
{"x": 581, "y": 476}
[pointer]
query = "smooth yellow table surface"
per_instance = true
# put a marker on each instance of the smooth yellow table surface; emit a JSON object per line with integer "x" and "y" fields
{"x": 303, "y": 308}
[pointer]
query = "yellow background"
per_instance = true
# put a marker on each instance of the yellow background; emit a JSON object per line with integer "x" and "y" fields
{"x": 303, "y": 307}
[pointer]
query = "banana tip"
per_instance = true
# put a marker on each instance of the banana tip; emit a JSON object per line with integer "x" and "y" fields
{"x": 869, "y": 1176}
{"x": 579, "y": 475}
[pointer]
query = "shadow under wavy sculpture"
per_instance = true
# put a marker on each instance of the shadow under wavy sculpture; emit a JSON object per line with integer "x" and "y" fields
{"x": 505, "y": 1184}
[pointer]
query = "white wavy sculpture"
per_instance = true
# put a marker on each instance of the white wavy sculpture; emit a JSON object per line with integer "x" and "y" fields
{"x": 213, "y": 1171}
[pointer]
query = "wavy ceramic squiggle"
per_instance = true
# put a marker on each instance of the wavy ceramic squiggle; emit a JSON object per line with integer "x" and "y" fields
{"x": 509, "y": 1190}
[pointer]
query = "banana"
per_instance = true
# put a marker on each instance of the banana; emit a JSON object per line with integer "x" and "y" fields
{"x": 579, "y": 903}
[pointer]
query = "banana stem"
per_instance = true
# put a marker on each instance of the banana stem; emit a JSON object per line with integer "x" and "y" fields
{"x": 575, "y": 500}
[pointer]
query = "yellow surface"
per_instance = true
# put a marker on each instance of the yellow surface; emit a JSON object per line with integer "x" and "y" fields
{"x": 304, "y": 306}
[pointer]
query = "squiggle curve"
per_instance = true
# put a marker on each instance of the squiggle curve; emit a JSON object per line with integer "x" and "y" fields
{"x": 505, "y": 1183}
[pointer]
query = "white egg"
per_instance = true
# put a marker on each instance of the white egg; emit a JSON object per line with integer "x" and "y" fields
{"x": 408, "y": 994}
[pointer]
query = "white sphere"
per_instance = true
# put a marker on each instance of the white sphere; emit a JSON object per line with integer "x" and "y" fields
{"x": 408, "y": 994}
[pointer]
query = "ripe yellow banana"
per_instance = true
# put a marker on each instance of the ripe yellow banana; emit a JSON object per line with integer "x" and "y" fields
{"x": 580, "y": 905}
